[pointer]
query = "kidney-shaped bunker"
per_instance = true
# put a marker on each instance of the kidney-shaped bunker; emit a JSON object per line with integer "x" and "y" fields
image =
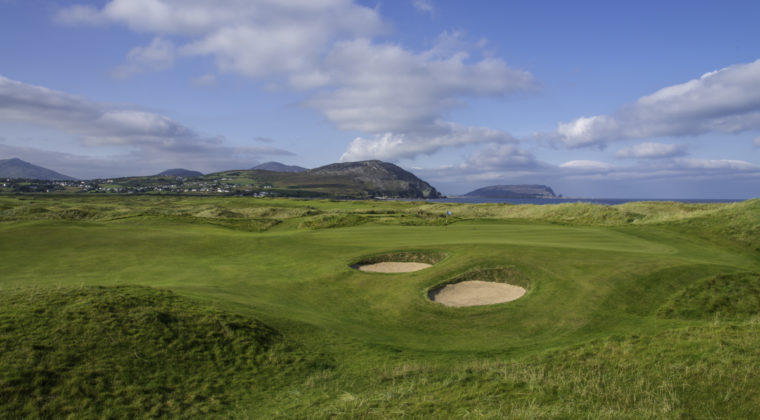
{"x": 481, "y": 287}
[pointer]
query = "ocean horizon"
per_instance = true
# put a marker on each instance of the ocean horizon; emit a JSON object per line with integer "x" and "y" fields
{"x": 605, "y": 201}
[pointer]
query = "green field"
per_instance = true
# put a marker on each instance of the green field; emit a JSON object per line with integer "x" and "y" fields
{"x": 252, "y": 309}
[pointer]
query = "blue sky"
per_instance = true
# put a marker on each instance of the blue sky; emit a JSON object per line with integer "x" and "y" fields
{"x": 596, "y": 98}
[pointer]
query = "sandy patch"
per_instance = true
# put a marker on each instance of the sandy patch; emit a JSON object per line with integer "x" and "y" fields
{"x": 393, "y": 267}
{"x": 476, "y": 292}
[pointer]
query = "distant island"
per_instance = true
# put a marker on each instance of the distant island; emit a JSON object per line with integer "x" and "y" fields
{"x": 513, "y": 191}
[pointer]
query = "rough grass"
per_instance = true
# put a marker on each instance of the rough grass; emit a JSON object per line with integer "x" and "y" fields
{"x": 427, "y": 257}
{"x": 126, "y": 352}
{"x": 732, "y": 296}
{"x": 695, "y": 372}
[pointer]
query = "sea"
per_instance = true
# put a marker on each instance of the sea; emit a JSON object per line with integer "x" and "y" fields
{"x": 605, "y": 201}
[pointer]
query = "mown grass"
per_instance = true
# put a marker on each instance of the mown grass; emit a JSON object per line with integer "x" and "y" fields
{"x": 645, "y": 310}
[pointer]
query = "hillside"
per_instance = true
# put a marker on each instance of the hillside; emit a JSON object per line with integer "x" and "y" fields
{"x": 278, "y": 167}
{"x": 180, "y": 172}
{"x": 139, "y": 351}
{"x": 381, "y": 178}
{"x": 364, "y": 179}
{"x": 513, "y": 191}
{"x": 17, "y": 168}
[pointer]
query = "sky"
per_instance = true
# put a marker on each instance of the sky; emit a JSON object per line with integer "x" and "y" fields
{"x": 597, "y": 99}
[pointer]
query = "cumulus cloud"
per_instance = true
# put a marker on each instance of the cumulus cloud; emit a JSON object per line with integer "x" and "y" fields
{"x": 390, "y": 146}
{"x": 651, "y": 150}
{"x": 386, "y": 88}
{"x": 726, "y": 100}
{"x": 586, "y": 165}
{"x": 425, "y": 6}
{"x": 400, "y": 96}
{"x": 151, "y": 137}
{"x": 156, "y": 56}
{"x": 256, "y": 38}
{"x": 396, "y": 96}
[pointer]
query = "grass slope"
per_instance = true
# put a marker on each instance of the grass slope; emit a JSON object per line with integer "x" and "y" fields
{"x": 129, "y": 352}
{"x": 643, "y": 310}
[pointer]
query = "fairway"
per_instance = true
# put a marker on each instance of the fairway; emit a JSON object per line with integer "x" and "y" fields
{"x": 584, "y": 282}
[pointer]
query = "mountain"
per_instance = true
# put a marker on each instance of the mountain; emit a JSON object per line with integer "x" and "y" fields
{"x": 17, "y": 168}
{"x": 180, "y": 172}
{"x": 278, "y": 167}
{"x": 379, "y": 178}
{"x": 356, "y": 180}
{"x": 513, "y": 191}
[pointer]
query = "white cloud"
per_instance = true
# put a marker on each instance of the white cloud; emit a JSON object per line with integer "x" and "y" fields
{"x": 386, "y": 88}
{"x": 79, "y": 14}
{"x": 256, "y": 38}
{"x": 158, "y": 55}
{"x": 390, "y": 146}
{"x": 499, "y": 157}
{"x": 425, "y": 6}
{"x": 649, "y": 150}
{"x": 396, "y": 96}
{"x": 205, "y": 80}
{"x": 586, "y": 165}
{"x": 150, "y": 137}
{"x": 727, "y": 101}
{"x": 509, "y": 164}
{"x": 715, "y": 164}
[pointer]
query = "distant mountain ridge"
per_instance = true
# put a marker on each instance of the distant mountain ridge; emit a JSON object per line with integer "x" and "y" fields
{"x": 349, "y": 180}
{"x": 180, "y": 172}
{"x": 278, "y": 167}
{"x": 17, "y": 168}
{"x": 513, "y": 191}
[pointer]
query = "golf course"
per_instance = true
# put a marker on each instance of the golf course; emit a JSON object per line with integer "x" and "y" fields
{"x": 148, "y": 306}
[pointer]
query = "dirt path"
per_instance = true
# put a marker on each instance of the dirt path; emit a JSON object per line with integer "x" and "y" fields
{"x": 476, "y": 292}
{"x": 393, "y": 267}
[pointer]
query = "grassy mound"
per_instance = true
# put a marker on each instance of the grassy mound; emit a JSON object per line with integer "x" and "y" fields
{"x": 329, "y": 221}
{"x": 729, "y": 296}
{"x": 129, "y": 352}
{"x": 426, "y": 257}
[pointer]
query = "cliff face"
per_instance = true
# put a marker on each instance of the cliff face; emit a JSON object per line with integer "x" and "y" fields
{"x": 513, "y": 191}
{"x": 379, "y": 179}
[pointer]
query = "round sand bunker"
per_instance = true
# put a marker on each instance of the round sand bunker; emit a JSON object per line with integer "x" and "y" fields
{"x": 393, "y": 267}
{"x": 475, "y": 293}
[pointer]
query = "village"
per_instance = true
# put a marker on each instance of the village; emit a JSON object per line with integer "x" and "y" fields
{"x": 149, "y": 185}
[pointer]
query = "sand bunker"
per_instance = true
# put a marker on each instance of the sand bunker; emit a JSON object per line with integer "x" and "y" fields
{"x": 475, "y": 293}
{"x": 393, "y": 267}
